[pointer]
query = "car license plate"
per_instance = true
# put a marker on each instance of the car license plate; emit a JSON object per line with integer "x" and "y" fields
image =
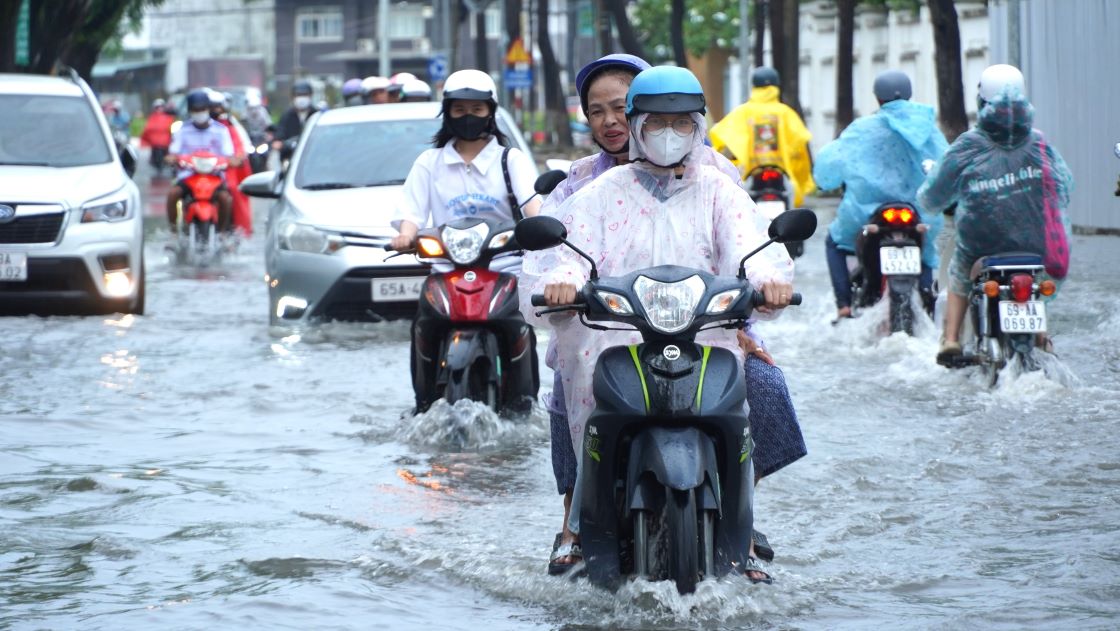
{"x": 771, "y": 209}
{"x": 13, "y": 266}
{"x": 397, "y": 289}
{"x": 900, "y": 260}
{"x": 1022, "y": 317}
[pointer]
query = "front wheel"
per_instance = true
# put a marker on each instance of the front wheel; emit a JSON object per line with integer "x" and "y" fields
{"x": 684, "y": 549}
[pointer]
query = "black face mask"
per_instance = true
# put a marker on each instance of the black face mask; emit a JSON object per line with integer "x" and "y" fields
{"x": 469, "y": 127}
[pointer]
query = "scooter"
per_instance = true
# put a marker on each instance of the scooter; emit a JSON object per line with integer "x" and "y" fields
{"x": 888, "y": 263}
{"x": 667, "y": 482}
{"x": 1007, "y": 312}
{"x": 767, "y": 187}
{"x": 469, "y": 339}
{"x": 198, "y": 242}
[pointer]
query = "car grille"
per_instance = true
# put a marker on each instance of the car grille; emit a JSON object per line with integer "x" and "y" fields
{"x": 42, "y": 228}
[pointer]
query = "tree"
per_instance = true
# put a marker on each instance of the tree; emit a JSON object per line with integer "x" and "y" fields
{"x": 760, "y": 9}
{"x": 703, "y": 24}
{"x": 71, "y": 32}
{"x": 845, "y": 35}
{"x": 626, "y": 35}
{"x": 676, "y": 32}
{"x": 785, "y": 45}
{"x": 950, "y": 88}
{"x": 556, "y": 113}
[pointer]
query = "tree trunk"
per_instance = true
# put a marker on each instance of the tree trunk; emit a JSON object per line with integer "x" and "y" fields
{"x": 556, "y": 113}
{"x": 846, "y": 16}
{"x": 791, "y": 54}
{"x": 9, "y": 11}
{"x": 53, "y": 28}
{"x": 676, "y": 32}
{"x": 950, "y": 89}
{"x": 626, "y": 35}
{"x": 775, "y": 13}
{"x": 513, "y": 20}
{"x": 760, "y": 9}
{"x": 603, "y": 27}
{"x": 481, "y": 44}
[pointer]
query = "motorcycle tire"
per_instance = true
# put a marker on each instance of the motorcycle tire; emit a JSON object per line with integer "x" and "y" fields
{"x": 901, "y": 314}
{"x": 684, "y": 540}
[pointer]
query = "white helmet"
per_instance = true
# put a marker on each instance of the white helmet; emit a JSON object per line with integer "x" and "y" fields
{"x": 369, "y": 84}
{"x": 416, "y": 88}
{"x": 402, "y": 78}
{"x": 470, "y": 84}
{"x": 998, "y": 78}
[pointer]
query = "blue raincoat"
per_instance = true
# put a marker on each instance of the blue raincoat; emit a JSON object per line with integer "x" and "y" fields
{"x": 878, "y": 159}
{"x": 994, "y": 173}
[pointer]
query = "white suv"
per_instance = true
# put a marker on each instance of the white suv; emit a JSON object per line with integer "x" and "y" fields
{"x": 71, "y": 234}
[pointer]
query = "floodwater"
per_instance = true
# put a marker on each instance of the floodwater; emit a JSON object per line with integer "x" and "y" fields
{"x": 193, "y": 469}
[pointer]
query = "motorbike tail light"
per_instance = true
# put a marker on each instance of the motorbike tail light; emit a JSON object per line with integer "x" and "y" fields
{"x": 991, "y": 289}
{"x": 1021, "y": 287}
{"x": 898, "y": 215}
{"x": 769, "y": 175}
{"x": 436, "y": 295}
{"x": 430, "y": 247}
{"x": 1047, "y": 287}
{"x": 770, "y": 197}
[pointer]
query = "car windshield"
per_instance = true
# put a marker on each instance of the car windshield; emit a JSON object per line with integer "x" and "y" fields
{"x": 54, "y": 131}
{"x": 373, "y": 153}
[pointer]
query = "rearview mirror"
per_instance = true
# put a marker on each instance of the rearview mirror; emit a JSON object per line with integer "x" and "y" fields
{"x": 548, "y": 181}
{"x": 288, "y": 148}
{"x": 261, "y": 184}
{"x": 797, "y": 224}
{"x": 128, "y": 159}
{"x": 540, "y": 232}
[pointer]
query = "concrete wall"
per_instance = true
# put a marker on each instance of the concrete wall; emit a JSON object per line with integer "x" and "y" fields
{"x": 1068, "y": 52}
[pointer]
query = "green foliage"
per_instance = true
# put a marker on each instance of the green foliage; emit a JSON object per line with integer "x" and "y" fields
{"x": 709, "y": 23}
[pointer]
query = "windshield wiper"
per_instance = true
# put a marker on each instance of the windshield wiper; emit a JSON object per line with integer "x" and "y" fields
{"x": 323, "y": 186}
{"x": 26, "y": 164}
{"x": 386, "y": 183}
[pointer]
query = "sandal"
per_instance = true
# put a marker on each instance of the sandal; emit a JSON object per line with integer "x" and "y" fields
{"x": 555, "y": 568}
{"x": 762, "y": 547}
{"x": 752, "y": 565}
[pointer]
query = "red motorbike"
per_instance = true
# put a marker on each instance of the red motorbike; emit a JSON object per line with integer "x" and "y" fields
{"x": 198, "y": 215}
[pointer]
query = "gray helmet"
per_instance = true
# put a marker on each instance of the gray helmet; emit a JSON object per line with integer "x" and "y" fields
{"x": 892, "y": 85}
{"x": 764, "y": 76}
{"x": 301, "y": 87}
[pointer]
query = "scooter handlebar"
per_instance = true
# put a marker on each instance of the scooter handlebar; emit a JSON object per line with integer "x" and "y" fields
{"x": 759, "y": 300}
{"x": 537, "y": 300}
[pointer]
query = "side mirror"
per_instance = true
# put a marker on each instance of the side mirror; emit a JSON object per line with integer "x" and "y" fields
{"x": 288, "y": 148}
{"x": 540, "y": 232}
{"x": 548, "y": 181}
{"x": 797, "y": 224}
{"x": 128, "y": 159}
{"x": 261, "y": 184}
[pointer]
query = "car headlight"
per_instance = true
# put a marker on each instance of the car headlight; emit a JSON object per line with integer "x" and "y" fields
{"x": 304, "y": 238}
{"x": 669, "y": 307}
{"x": 464, "y": 246}
{"x": 100, "y": 210}
{"x": 616, "y": 303}
{"x": 722, "y": 301}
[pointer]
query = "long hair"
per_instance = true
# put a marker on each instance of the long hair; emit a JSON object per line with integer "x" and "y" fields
{"x": 445, "y": 135}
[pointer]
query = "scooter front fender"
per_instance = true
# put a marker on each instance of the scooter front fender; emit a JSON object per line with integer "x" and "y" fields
{"x": 680, "y": 458}
{"x": 462, "y": 348}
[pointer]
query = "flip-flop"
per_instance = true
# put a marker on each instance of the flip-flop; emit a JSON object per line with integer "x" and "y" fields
{"x": 567, "y": 550}
{"x": 752, "y": 565}
{"x": 762, "y": 547}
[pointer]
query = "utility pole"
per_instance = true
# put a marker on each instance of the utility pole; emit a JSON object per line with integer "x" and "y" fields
{"x": 744, "y": 52}
{"x": 383, "y": 37}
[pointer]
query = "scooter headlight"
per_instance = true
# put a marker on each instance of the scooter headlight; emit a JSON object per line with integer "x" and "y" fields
{"x": 669, "y": 307}
{"x": 464, "y": 246}
{"x": 204, "y": 166}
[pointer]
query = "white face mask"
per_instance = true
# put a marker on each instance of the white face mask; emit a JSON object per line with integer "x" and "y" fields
{"x": 200, "y": 118}
{"x": 302, "y": 102}
{"x": 666, "y": 147}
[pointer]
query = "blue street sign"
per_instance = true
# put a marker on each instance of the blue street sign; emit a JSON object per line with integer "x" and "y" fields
{"x": 437, "y": 67}
{"x": 522, "y": 78}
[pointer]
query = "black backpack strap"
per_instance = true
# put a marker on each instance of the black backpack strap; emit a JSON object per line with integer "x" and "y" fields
{"x": 514, "y": 207}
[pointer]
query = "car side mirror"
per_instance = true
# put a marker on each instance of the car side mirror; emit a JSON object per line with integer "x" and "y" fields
{"x": 128, "y": 159}
{"x": 797, "y": 224}
{"x": 549, "y": 180}
{"x": 261, "y": 184}
{"x": 540, "y": 232}
{"x": 288, "y": 148}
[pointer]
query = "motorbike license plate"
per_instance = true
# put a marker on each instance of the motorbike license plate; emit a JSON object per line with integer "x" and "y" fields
{"x": 904, "y": 260}
{"x": 1022, "y": 317}
{"x": 13, "y": 266}
{"x": 397, "y": 289}
{"x": 771, "y": 209}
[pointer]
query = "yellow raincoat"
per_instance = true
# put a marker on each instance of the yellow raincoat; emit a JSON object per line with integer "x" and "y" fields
{"x": 766, "y": 131}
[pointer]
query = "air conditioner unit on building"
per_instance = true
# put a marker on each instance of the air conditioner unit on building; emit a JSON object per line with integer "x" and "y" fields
{"x": 366, "y": 45}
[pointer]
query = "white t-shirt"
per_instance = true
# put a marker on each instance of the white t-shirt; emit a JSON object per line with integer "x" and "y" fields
{"x": 188, "y": 139}
{"x": 441, "y": 188}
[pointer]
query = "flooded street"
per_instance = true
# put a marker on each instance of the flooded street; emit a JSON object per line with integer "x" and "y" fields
{"x": 193, "y": 469}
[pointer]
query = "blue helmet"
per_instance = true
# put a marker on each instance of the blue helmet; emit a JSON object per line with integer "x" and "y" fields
{"x": 667, "y": 90}
{"x": 352, "y": 87}
{"x": 618, "y": 61}
{"x": 198, "y": 100}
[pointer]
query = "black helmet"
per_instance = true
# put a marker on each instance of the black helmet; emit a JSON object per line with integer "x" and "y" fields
{"x": 198, "y": 100}
{"x": 892, "y": 85}
{"x": 301, "y": 87}
{"x": 764, "y": 76}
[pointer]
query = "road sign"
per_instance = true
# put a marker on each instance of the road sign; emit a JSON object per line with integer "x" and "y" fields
{"x": 517, "y": 53}
{"x": 437, "y": 67}
{"x": 519, "y": 77}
